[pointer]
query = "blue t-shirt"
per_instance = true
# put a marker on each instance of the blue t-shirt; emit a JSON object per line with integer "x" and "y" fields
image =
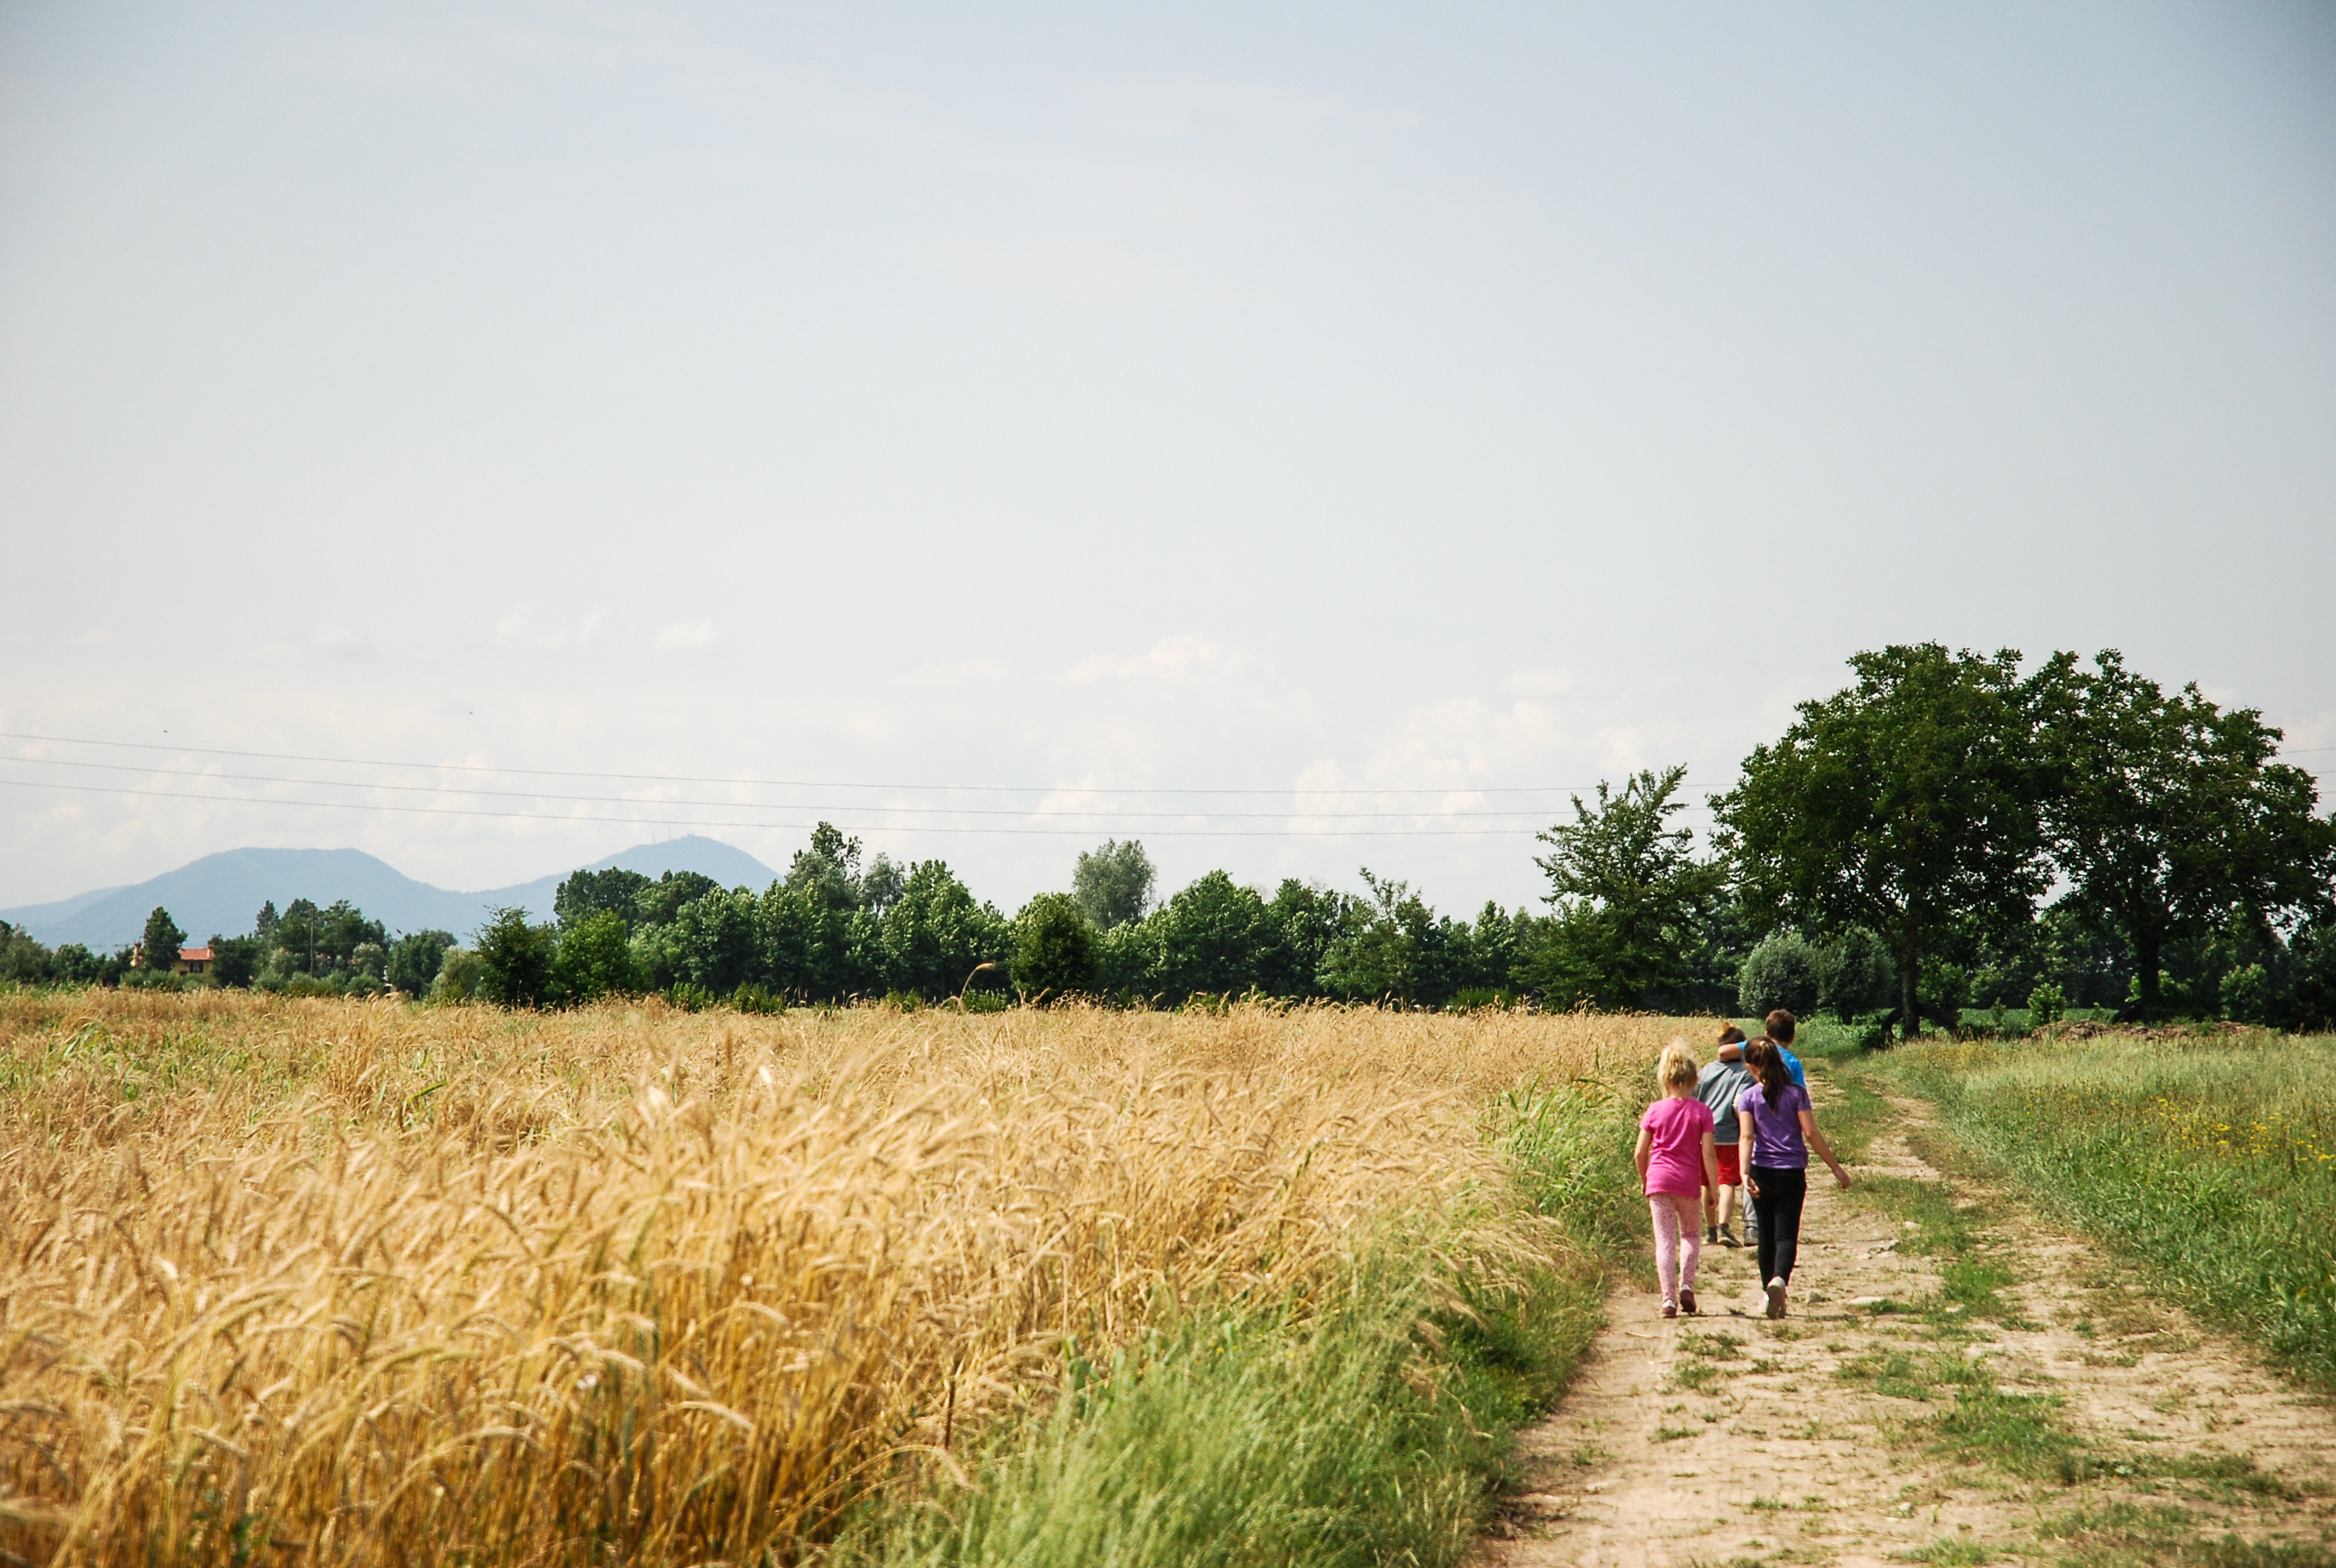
{"x": 1792, "y": 1066}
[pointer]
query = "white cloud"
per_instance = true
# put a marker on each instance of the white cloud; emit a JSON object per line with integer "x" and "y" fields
{"x": 342, "y": 642}
{"x": 690, "y": 637}
{"x": 965, "y": 672}
{"x": 1171, "y": 658}
{"x": 519, "y": 628}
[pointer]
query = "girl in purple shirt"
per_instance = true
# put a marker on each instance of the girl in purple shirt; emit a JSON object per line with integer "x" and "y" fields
{"x": 1676, "y": 1163}
{"x": 1777, "y": 1126}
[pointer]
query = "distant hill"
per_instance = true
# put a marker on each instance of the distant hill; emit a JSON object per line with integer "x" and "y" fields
{"x": 222, "y": 893}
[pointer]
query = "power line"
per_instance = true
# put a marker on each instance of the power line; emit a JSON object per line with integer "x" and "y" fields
{"x": 699, "y": 822}
{"x": 779, "y": 783}
{"x": 145, "y": 770}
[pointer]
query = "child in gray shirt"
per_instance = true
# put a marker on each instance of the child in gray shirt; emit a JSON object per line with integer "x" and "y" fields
{"x": 1717, "y": 1086}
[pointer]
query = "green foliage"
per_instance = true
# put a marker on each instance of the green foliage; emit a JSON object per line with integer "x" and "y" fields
{"x": 1128, "y": 961}
{"x": 714, "y": 941}
{"x": 162, "y": 940}
{"x": 1057, "y": 952}
{"x": 587, "y": 894}
{"x": 2045, "y": 1005}
{"x": 2246, "y": 994}
{"x": 2170, "y": 815}
{"x": 1907, "y": 803}
{"x": 414, "y": 958}
{"x": 1783, "y": 971}
{"x": 2211, "y": 1164}
{"x": 1854, "y": 974}
{"x": 595, "y": 958}
{"x": 660, "y": 902}
{"x": 518, "y": 961}
{"x": 937, "y": 936}
{"x": 1211, "y": 936}
{"x": 1630, "y": 898}
{"x": 461, "y": 974}
{"x": 1113, "y": 884}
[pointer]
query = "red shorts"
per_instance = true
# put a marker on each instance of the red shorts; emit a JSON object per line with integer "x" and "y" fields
{"x": 1731, "y": 1168}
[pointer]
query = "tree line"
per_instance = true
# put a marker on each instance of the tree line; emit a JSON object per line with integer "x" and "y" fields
{"x": 1890, "y": 857}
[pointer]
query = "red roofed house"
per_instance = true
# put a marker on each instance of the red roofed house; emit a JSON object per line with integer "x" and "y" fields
{"x": 192, "y": 961}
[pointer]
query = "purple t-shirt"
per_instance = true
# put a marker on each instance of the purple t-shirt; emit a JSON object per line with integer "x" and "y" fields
{"x": 1777, "y": 1129}
{"x": 1675, "y": 1156}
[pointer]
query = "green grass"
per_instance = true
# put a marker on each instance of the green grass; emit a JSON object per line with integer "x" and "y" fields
{"x": 2211, "y": 1163}
{"x": 1382, "y": 1433}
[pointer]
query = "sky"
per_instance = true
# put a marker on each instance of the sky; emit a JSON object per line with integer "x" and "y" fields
{"x": 1302, "y": 438}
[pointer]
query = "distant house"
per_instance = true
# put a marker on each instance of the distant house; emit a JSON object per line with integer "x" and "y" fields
{"x": 192, "y": 961}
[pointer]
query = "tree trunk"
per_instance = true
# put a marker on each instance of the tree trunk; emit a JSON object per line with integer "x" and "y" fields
{"x": 2148, "y": 945}
{"x": 1910, "y": 1014}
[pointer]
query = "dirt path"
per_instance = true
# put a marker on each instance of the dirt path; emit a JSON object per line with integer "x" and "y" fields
{"x": 1906, "y": 1412}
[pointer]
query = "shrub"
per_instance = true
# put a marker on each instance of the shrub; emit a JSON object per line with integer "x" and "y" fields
{"x": 596, "y": 959}
{"x": 2045, "y": 1004}
{"x": 753, "y": 998}
{"x": 1854, "y": 975}
{"x": 1781, "y": 972}
{"x": 458, "y": 973}
{"x": 1055, "y": 952}
{"x": 516, "y": 960}
{"x": 2246, "y": 994}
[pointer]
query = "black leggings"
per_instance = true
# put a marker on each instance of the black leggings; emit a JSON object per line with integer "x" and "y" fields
{"x": 1779, "y": 1205}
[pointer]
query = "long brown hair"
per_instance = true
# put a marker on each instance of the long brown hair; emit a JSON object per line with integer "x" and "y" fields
{"x": 1767, "y": 1066}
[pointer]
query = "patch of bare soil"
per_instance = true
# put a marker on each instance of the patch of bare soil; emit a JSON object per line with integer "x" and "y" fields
{"x": 2074, "y": 1419}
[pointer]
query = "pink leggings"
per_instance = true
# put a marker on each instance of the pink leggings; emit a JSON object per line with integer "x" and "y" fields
{"x": 1676, "y": 1214}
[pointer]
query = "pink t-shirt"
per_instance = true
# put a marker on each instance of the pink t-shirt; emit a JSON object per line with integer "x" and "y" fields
{"x": 1675, "y": 1162}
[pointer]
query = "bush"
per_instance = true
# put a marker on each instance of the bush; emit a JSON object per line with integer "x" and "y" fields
{"x": 1854, "y": 975}
{"x": 753, "y": 998}
{"x": 2246, "y": 994}
{"x": 517, "y": 961}
{"x": 1055, "y": 952}
{"x": 459, "y": 974}
{"x": 1781, "y": 972}
{"x": 2045, "y": 1005}
{"x": 596, "y": 959}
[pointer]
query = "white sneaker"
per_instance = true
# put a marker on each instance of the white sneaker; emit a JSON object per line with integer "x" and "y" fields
{"x": 1775, "y": 1298}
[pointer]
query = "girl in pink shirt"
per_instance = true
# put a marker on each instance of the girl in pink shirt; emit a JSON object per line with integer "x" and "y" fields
{"x": 1677, "y": 1162}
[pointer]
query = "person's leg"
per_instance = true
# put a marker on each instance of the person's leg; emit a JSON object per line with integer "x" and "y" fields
{"x": 1691, "y": 1247}
{"x": 1763, "y": 1229}
{"x": 1792, "y": 1188}
{"x": 1667, "y": 1244}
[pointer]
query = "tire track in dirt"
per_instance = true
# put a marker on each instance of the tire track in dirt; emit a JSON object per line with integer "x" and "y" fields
{"x": 1727, "y": 1440}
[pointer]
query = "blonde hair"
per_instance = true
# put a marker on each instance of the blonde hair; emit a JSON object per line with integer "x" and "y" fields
{"x": 1678, "y": 1068}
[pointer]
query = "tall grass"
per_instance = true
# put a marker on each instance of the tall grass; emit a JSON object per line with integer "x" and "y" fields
{"x": 290, "y": 1280}
{"x": 2212, "y": 1162}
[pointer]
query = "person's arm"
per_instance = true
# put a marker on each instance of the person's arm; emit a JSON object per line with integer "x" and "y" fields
{"x": 1744, "y": 1136}
{"x": 1816, "y": 1142}
{"x": 1710, "y": 1170}
{"x": 1645, "y": 1155}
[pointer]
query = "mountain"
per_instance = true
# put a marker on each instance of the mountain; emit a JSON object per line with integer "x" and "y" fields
{"x": 222, "y": 893}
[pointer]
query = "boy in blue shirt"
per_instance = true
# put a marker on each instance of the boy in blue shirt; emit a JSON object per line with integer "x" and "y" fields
{"x": 1780, "y": 1035}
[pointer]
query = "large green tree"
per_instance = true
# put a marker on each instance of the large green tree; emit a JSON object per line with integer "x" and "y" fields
{"x": 1908, "y": 804}
{"x": 518, "y": 960}
{"x": 1056, "y": 950}
{"x": 1629, "y": 898}
{"x": 1113, "y": 883}
{"x": 2168, "y": 815}
{"x": 162, "y": 942}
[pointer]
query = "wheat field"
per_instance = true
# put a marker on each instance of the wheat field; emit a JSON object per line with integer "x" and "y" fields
{"x": 288, "y": 1281}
